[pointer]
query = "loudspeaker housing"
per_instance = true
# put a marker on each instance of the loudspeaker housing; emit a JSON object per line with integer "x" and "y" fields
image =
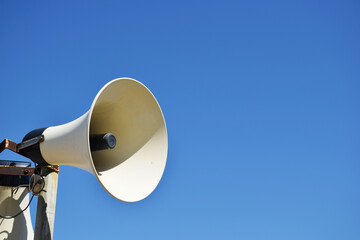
{"x": 133, "y": 168}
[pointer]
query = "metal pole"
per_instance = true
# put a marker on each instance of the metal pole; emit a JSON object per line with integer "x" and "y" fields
{"x": 45, "y": 213}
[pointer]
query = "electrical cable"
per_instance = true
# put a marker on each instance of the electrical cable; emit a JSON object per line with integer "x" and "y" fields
{"x": 10, "y": 217}
{"x": 34, "y": 193}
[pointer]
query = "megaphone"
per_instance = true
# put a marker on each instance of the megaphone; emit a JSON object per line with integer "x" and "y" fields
{"x": 122, "y": 140}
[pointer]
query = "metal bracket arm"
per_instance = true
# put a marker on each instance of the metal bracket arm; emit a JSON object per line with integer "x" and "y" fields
{"x": 8, "y": 144}
{"x": 16, "y": 147}
{"x": 25, "y": 171}
{"x": 16, "y": 171}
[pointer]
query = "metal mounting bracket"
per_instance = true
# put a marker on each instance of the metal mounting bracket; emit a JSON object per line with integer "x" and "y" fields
{"x": 16, "y": 147}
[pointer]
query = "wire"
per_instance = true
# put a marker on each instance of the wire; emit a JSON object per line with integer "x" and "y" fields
{"x": 34, "y": 193}
{"x": 10, "y": 217}
{"x": 14, "y": 191}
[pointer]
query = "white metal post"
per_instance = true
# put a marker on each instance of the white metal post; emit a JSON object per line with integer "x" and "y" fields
{"x": 45, "y": 213}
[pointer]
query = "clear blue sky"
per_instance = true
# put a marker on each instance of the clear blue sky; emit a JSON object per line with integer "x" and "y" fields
{"x": 261, "y": 100}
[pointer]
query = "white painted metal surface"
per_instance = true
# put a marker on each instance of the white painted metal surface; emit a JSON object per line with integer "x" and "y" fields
{"x": 11, "y": 203}
{"x": 133, "y": 169}
{"x": 46, "y": 205}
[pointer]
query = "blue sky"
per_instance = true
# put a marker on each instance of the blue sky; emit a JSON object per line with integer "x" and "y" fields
{"x": 261, "y": 101}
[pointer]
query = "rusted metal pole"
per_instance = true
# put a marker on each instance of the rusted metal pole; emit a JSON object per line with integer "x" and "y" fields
{"x": 45, "y": 213}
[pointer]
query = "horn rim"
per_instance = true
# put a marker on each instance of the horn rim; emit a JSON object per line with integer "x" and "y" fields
{"x": 90, "y": 112}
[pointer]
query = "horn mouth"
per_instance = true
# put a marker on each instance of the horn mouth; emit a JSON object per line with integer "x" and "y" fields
{"x": 133, "y": 168}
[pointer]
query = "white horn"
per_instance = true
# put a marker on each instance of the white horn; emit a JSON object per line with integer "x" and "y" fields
{"x": 129, "y": 170}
